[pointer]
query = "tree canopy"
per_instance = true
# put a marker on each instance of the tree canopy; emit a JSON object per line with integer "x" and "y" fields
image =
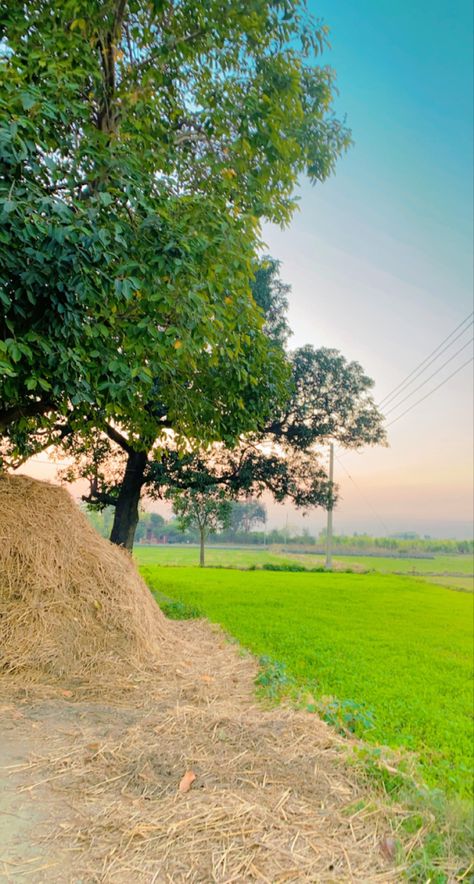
{"x": 330, "y": 400}
{"x": 325, "y": 398}
{"x": 142, "y": 142}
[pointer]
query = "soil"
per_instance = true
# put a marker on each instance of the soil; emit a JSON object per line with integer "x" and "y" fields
{"x": 90, "y": 781}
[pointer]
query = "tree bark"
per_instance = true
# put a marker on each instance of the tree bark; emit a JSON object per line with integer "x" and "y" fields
{"x": 201, "y": 551}
{"x": 126, "y": 508}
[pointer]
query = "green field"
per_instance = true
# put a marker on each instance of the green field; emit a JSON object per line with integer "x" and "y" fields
{"x": 400, "y": 646}
{"x": 226, "y": 558}
{"x": 462, "y": 584}
{"x": 462, "y": 564}
{"x": 245, "y": 558}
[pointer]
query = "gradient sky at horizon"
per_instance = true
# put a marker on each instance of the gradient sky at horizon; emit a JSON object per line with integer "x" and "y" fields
{"x": 380, "y": 257}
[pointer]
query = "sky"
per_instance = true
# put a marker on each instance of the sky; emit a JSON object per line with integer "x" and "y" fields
{"x": 380, "y": 257}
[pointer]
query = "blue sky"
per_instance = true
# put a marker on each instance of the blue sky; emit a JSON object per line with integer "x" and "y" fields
{"x": 405, "y": 78}
{"x": 380, "y": 257}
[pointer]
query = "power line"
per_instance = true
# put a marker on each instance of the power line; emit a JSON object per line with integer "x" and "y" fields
{"x": 431, "y": 391}
{"x": 425, "y": 367}
{"x": 431, "y": 376}
{"x": 364, "y": 497}
{"x": 422, "y": 365}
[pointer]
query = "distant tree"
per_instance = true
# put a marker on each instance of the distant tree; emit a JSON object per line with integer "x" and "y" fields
{"x": 156, "y": 521}
{"x": 245, "y": 514}
{"x": 405, "y": 535}
{"x": 102, "y": 521}
{"x": 208, "y": 511}
{"x": 150, "y": 526}
{"x": 140, "y": 531}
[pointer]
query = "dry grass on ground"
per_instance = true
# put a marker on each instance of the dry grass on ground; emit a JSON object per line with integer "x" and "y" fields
{"x": 272, "y": 800}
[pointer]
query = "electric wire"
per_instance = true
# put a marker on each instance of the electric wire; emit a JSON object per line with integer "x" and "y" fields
{"x": 404, "y": 386}
{"x": 452, "y": 375}
{"x": 430, "y": 377}
{"x": 364, "y": 497}
{"x": 422, "y": 366}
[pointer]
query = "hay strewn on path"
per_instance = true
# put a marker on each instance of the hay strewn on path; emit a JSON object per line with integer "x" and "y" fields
{"x": 71, "y": 603}
{"x": 273, "y": 798}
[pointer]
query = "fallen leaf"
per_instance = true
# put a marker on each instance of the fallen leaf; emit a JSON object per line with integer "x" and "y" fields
{"x": 388, "y": 846}
{"x": 187, "y": 781}
{"x": 207, "y": 678}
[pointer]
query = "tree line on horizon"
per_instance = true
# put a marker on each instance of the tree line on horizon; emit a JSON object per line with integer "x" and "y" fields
{"x": 154, "y": 529}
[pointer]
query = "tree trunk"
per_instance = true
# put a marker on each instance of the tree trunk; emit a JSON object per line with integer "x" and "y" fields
{"x": 126, "y": 508}
{"x": 201, "y": 552}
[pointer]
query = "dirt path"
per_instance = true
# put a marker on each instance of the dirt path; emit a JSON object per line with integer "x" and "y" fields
{"x": 90, "y": 782}
{"x": 29, "y": 810}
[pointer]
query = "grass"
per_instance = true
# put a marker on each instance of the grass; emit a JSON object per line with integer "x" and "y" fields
{"x": 248, "y": 558}
{"x": 225, "y": 558}
{"x": 461, "y": 584}
{"x": 462, "y": 564}
{"x": 398, "y": 648}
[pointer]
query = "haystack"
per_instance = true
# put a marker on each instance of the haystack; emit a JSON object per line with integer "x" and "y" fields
{"x": 71, "y": 603}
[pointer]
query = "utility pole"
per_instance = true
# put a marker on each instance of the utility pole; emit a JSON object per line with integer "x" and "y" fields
{"x": 329, "y": 523}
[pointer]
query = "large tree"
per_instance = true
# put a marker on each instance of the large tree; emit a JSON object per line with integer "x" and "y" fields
{"x": 326, "y": 398}
{"x": 329, "y": 400}
{"x": 141, "y": 144}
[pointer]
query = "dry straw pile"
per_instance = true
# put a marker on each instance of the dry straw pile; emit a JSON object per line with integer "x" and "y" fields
{"x": 71, "y": 604}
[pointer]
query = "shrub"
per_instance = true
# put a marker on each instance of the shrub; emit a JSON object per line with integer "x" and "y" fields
{"x": 273, "y": 677}
{"x": 346, "y": 715}
{"x": 179, "y": 611}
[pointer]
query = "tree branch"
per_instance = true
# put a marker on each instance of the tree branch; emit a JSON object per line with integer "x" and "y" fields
{"x": 106, "y": 119}
{"x": 117, "y": 437}
{"x": 100, "y": 497}
{"x": 96, "y": 496}
{"x": 62, "y": 430}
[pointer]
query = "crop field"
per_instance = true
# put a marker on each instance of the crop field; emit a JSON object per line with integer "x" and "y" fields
{"x": 225, "y": 558}
{"x": 462, "y": 584}
{"x": 460, "y": 565}
{"x": 395, "y": 648}
{"x": 456, "y": 565}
